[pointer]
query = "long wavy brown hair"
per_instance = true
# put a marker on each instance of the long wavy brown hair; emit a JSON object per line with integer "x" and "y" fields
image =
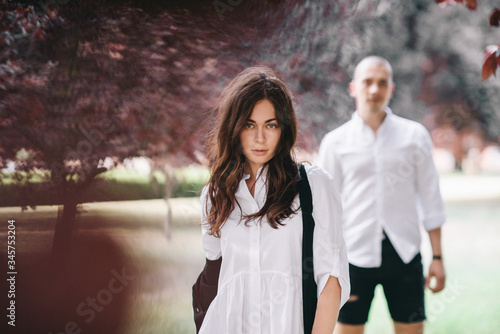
{"x": 226, "y": 159}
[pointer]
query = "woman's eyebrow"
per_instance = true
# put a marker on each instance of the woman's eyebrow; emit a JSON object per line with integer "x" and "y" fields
{"x": 269, "y": 120}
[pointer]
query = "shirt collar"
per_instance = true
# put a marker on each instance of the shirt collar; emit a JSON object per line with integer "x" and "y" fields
{"x": 362, "y": 125}
{"x": 261, "y": 173}
{"x": 357, "y": 118}
{"x": 260, "y": 189}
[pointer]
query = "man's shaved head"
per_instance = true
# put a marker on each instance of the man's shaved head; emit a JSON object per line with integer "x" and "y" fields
{"x": 373, "y": 60}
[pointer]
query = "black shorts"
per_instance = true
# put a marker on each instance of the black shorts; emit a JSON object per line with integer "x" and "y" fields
{"x": 403, "y": 288}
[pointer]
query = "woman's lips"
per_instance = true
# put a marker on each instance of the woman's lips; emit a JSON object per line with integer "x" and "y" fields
{"x": 259, "y": 152}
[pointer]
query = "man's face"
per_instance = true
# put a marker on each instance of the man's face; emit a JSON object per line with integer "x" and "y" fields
{"x": 372, "y": 87}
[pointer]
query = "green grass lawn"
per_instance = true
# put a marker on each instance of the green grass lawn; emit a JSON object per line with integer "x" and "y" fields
{"x": 167, "y": 267}
{"x": 470, "y": 302}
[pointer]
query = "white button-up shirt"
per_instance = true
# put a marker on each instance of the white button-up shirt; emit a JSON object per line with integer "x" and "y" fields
{"x": 388, "y": 182}
{"x": 260, "y": 282}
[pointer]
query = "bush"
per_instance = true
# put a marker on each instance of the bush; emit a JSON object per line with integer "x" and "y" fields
{"x": 113, "y": 185}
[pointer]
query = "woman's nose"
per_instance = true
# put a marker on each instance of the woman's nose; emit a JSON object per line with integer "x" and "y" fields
{"x": 260, "y": 136}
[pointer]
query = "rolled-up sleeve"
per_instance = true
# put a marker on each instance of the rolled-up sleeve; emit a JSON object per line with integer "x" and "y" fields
{"x": 427, "y": 184}
{"x": 330, "y": 254}
{"x": 210, "y": 243}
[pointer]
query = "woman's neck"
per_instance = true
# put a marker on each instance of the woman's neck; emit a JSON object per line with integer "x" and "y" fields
{"x": 254, "y": 173}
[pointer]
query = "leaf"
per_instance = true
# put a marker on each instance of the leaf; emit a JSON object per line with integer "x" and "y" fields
{"x": 495, "y": 18}
{"x": 115, "y": 55}
{"x": 489, "y": 50}
{"x": 471, "y": 4}
{"x": 490, "y": 65}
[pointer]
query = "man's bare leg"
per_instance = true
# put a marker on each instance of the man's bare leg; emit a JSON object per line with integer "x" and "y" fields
{"x": 341, "y": 328}
{"x": 413, "y": 328}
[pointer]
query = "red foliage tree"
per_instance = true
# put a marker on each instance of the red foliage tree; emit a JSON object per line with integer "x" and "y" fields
{"x": 82, "y": 83}
{"x": 96, "y": 79}
{"x": 91, "y": 80}
{"x": 491, "y": 59}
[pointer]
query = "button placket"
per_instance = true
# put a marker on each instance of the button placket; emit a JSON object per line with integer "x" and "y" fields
{"x": 255, "y": 280}
{"x": 255, "y": 227}
{"x": 379, "y": 188}
{"x": 379, "y": 178}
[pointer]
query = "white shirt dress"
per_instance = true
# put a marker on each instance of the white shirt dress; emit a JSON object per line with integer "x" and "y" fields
{"x": 260, "y": 283}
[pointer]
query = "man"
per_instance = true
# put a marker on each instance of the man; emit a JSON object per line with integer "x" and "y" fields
{"x": 383, "y": 168}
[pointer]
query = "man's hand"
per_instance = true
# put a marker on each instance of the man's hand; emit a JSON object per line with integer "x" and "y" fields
{"x": 436, "y": 270}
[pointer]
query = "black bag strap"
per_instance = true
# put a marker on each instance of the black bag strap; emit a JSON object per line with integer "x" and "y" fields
{"x": 205, "y": 288}
{"x": 309, "y": 288}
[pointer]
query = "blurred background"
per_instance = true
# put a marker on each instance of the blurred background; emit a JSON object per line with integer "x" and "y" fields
{"x": 104, "y": 106}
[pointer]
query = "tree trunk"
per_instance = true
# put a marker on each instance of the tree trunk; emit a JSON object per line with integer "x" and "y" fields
{"x": 66, "y": 218}
{"x": 170, "y": 182}
{"x": 169, "y": 189}
{"x": 65, "y": 227}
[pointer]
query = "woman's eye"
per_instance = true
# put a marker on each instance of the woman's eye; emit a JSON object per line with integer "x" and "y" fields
{"x": 272, "y": 126}
{"x": 249, "y": 125}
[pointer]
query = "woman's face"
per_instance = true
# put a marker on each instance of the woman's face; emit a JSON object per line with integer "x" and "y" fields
{"x": 260, "y": 136}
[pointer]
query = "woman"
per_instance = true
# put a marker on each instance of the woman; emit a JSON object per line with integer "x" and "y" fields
{"x": 251, "y": 216}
